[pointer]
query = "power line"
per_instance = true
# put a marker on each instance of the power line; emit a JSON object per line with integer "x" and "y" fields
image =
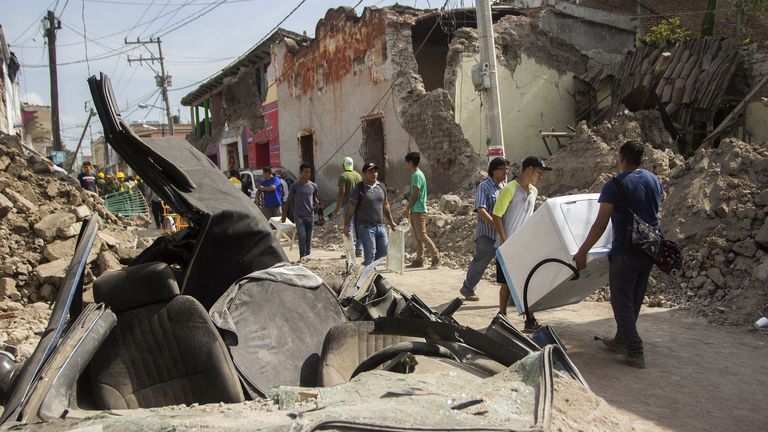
{"x": 143, "y": 14}
{"x": 125, "y": 51}
{"x": 246, "y": 53}
{"x": 193, "y": 18}
{"x": 85, "y": 39}
{"x": 132, "y": 3}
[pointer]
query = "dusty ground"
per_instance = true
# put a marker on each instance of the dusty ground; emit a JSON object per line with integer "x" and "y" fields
{"x": 700, "y": 377}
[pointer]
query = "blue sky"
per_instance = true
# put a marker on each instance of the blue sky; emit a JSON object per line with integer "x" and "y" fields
{"x": 193, "y": 52}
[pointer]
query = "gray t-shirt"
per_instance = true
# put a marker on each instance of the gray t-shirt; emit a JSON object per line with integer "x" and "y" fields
{"x": 370, "y": 203}
{"x": 301, "y": 196}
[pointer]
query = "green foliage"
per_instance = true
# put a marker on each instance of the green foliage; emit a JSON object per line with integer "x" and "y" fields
{"x": 759, "y": 8}
{"x": 668, "y": 31}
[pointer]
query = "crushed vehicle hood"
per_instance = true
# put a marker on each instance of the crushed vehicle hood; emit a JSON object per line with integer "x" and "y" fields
{"x": 193, "y": 187}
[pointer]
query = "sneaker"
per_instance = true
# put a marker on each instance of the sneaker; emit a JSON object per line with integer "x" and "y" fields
{"x": 416, "y": 263}
{"x": 435, "y": 263}
{"x": 614, "y": 346}
{"x": 636, "y": 360}
{"x": 469, "y": 295}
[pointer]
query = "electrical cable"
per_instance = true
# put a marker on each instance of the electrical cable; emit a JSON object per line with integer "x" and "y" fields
{"x": 143, "y": 14}
{"x": 242, "y": 56}
{"x": 85, "y": 39}
{"x": 165, "y": 24}
{"x": 193, "y": 18}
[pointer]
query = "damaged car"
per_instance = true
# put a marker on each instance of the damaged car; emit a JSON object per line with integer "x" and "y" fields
{"x": 212, "y": 326}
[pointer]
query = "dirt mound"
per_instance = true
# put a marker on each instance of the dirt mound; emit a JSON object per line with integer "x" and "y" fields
{"x": 715, "y": 208}
{"x": 41, "y": 212}
{"x": 591, "y": 157}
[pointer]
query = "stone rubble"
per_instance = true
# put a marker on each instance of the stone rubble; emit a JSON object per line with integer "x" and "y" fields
{"x": 40, "y": 216}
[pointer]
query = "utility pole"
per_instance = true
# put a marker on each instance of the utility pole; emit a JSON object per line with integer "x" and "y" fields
{"x": 51, "y": 24}
{"x": 91, "y": 114}
{"x": 489, "y": 90}
{"x": 162, "y": 80}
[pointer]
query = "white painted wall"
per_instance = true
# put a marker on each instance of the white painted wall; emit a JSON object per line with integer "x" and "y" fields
{"x": 534, "y": 97}
{"x": 757, "y": 122}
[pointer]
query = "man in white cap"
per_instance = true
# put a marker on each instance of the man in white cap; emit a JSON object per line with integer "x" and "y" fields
{"x": 348, "y": 179}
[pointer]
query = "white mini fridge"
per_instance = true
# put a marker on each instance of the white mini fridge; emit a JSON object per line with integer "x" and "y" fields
{"x": 555, "y": 230}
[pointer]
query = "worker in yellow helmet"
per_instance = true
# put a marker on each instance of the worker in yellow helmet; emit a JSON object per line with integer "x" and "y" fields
{"x": 121, "y": 181}
{"x": 101, "y": 183}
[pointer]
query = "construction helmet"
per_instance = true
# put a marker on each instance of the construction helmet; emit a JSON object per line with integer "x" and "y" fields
{"x": 347, "y": 163}
{"x": 101, "y": 175}
{"x": 137, "y": 178}
{"x": 120, "y": 175}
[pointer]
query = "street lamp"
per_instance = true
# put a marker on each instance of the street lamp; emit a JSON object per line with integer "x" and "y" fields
{"x": 145, "y": 106}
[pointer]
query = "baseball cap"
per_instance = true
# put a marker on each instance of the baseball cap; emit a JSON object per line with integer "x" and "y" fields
{"x": 369, "y": 166}
{"x": 347, "y": 163}
{"x": 533, "y": 161}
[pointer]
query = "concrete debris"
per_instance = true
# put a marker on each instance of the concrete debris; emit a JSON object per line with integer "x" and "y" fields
{"x": 5, "y": 206}
{"x": 25, "y": 205}
{"x": 42, "y": 212}
{"x": 107, "y": 261}
{"x": 81, "y": 212}
{"x": 54, "y": 225}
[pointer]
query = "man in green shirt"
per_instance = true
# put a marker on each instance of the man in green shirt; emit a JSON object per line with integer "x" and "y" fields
{"x": 347, "y": 181}
{"x": 416, "y": 209}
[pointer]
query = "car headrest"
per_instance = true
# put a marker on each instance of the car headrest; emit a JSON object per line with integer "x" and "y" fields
{"x": 136, "y": 286}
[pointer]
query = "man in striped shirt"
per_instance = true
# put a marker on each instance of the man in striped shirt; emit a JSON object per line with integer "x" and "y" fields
{"x": 485, "y": 235}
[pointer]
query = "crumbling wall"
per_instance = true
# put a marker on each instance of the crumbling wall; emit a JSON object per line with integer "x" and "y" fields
{"x": 241, "y": 101}
{"x": 429, "y": 118}
{"x": 535, "y": 74}
{"x": 756, "y": 65}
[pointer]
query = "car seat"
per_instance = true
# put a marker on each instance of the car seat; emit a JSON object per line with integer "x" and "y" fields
{"x": 164, "y": 349}
{"x": 346, "y": 346}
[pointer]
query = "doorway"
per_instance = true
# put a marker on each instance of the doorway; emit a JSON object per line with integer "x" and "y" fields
{"x": 374, "y": 149}
{"x": 307, "y": 150}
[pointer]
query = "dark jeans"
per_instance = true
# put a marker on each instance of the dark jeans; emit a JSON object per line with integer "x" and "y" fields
{"x": 157, "y": 213}
{"x": 304, "y": 232}
{"x": 628, "y": 278}
{"x": 375, "y": 242}
{"x": 484, "y": 253}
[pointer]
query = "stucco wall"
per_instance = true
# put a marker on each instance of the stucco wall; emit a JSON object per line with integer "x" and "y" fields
{"x": 757, "y": 122}
{"x": 356, "y": 80}
{"x": 534, "y": 97}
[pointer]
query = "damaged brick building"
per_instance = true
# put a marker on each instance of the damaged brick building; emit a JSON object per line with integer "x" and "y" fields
{"x": 393, "y": 80}
{"x": 378, "y": 85}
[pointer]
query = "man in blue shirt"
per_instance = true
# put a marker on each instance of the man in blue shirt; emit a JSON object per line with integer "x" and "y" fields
{"x": 87, "y": 178}
{"x": 485, "y": 235}
{"x": 629, "y": 268}
{"x": 271, "y": 191}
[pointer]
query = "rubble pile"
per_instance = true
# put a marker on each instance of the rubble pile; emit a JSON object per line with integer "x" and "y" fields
{"x": 591, "y": 157}
{"x": 41, "y": 212}
{"x": 714, "y": 207}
